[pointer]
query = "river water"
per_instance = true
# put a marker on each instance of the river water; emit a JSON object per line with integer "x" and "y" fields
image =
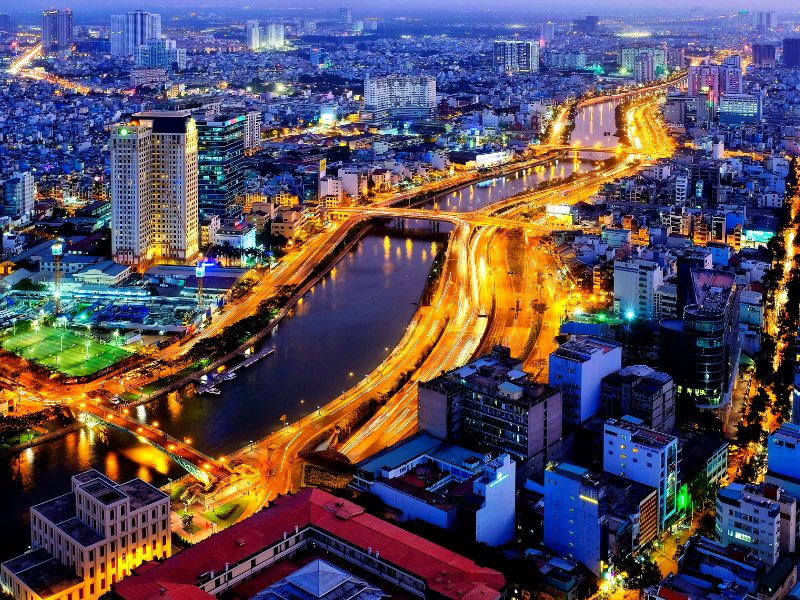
{"x": 340, "y": 331}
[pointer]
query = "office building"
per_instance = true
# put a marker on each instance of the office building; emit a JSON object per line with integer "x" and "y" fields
{"x": 154, "y": 189}
{"x": 493, "y": 406}
{"x": 426, "y": 479}
{"x": 548, "y": 32}
{"x": 246, "y": 558}
{"x": 18, "y": 195}
{"x": 760, "y": 516}
{"x": 346, "y": 16}
{"x": 220, "y": 158}
{"x": 133, "y": 29}
{"x": 253, "y": 35}
{"x": 577, "y": 367}
{"x": 564, "y": 60}
{"x": 56, "y": 30}
{"x": 791, "y": 52}
{"x": 763, "y": 56}
{"x": 596, "y": 518}
{"x": 738, "y": 109}
{"x": 86, "y": 541}
{"x": 783, "y": 458}
{"x": 634, "y": 451}
{"x": 397, "y": 96}
{"x": 161, "y": 53}
{"x": 642, "y": 392}
{"x": 516, "y": 56}
{"x": 5, "y": 23}
{"x": 635, "y": 284}
{"x": 701, "y": 350}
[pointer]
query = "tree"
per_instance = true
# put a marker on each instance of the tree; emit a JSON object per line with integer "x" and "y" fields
{"x": 186, "y": 520}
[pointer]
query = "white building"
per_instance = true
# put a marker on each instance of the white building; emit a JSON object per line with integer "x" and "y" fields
{"x": 572, "y": 514}
{"x": 253, "y": 35}
{"x": 252, "y": 130}
{"x": 783, "y": 463}
{"x": 18, "y": 195}
{"x": 354, "y": 183}
{"x": 644, "y": 455}
{"x": 635, "y": 285}
{"x": 154, "y": 189}
{"x": 424, "y": 478}
{"x": 85, "y": 541}
{"x": 275, "y": 36}
{"x": 241, "y": 235}
{"x": 331, "y": 186}
{"x": 577, "y": 367}
{"x": 516, "y": 56}
{"x": 400, "y": 96}
{"x": 133, "y": 29}
{"x": 762, "y": 517}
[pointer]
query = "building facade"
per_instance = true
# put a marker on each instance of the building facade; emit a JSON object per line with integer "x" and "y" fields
{"x": 18, "y": 195}
{"x": 762, "y": 517}
{"x": 397, "y": 96}
{"x": 154, "y": 189}
{"x": 577, "y": 367}
{"x": 133, "y": 29}
{"x": 644, "y": 455}
{"x": 56, "y": 30}
{"x": 492, "y": 405}
{"x": 220, "y": 157}
{"x": 516, "y": 56}
{"x": 642, "y": 392}
{"x": 84, "y": 542}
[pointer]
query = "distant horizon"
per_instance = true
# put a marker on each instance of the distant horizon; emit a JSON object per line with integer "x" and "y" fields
{"x": 90, "y": 11}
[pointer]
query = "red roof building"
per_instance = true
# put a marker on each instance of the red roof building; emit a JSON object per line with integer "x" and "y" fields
{"x": 313, "y": 520}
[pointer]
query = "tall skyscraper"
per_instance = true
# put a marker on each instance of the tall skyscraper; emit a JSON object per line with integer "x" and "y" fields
{"x": 275, "y": 36}
{"x": 765, "y": 21}
{"x": 763, "y": 56}
{"x": 133, "y": 29}
{"x": 346, "y": 16}
{"x": 220, "y": 149}
{"x": 5, "y": 23}
{"x": 154, "y": 189}
{"x": 791, "y": 52}
{"x": 56, "y": 29}
{"x": 548, "y": 32}
{"x": 516, "y": 56}
{"x": 253, "y": 33}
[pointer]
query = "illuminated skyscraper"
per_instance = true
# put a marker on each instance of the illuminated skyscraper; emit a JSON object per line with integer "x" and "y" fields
{"x": 220, "y": 148}
{"x": 397, "y": 96}
{"x": 253, "y": 35}
{"x": 346, "y": 16}
{"x": 516, "y": 56}
{"x": 56, "y": 29}
{"x": 275, "y": 36}
{"x": 133, "y": 29}
{"x": 154, "y": 189}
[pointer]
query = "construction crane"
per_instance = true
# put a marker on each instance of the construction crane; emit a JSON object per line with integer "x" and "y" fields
{"x": 57, "y": 250}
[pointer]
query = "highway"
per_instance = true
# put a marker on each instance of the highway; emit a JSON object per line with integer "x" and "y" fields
{"x": 473, "y": 306}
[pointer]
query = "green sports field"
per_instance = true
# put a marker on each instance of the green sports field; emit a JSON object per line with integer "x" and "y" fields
{"x": 44, "y": 346}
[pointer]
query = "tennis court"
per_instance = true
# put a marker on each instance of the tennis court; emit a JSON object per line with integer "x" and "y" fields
{"x": 64, "y": 351}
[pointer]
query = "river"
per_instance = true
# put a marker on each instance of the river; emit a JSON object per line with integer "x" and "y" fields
{"x": 340, "y": 332}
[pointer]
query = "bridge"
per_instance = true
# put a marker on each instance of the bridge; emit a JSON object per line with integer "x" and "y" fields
{"x": 200, "y": 466}
{"x": 422, "y": 214}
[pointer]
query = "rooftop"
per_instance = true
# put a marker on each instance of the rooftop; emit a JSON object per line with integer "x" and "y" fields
{"x": 42, "y": 573}
{"x": 446, "y": 573}
{"x": 639, "y": 434}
